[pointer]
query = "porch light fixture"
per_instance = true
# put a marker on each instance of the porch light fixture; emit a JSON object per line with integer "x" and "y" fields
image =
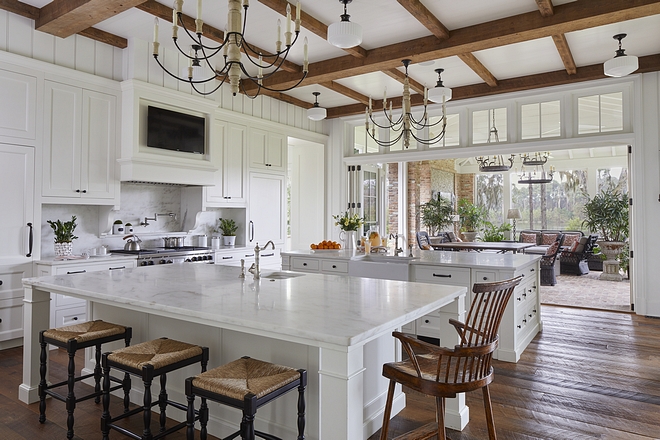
{"x": 230, "y": 67}
{"x": 317, "y": 112}
{"x": 537, "y": 174}
{"x": 488, "y": 164}
{"x": 621, "y": 64}
{"x": 406, "y": 125}
{"x": 345, "y": 34}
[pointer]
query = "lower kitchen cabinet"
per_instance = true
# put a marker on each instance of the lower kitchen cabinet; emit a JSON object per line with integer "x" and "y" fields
{"x": 269, "y": 259}
{"x": 11, "y": 303}
{"x": 67, "y": 310}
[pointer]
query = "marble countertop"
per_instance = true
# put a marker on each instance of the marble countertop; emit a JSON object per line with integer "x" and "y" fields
{"x": 90, "y": 260}
{"x": 313, "y": 309}
{"x": 431, "y": 258}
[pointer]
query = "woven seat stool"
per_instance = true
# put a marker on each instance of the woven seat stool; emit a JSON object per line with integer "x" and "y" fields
{"x": 73, "y": 338}
{"x": 246, "y": 384}
{"x": 148, "y": 360}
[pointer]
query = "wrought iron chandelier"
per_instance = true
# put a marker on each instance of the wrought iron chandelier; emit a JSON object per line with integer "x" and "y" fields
{"x": 406, "y": 125}
{"x": 488, "y": 164}
{"x": 232, "y": 70}
{"x": 537, "y": 174}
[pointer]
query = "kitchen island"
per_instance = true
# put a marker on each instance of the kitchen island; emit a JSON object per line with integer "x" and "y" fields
{"x": 338, "y": 328}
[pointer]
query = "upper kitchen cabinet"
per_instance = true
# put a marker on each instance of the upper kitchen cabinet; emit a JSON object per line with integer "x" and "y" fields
{"x": 229, "y": 148}
{"x": 80, "y": 138}
{"x": 267, "y": 150}
{"x": 18, "y": 114}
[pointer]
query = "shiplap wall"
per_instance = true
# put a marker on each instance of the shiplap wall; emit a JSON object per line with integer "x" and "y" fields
{"x": 17, "y": 35}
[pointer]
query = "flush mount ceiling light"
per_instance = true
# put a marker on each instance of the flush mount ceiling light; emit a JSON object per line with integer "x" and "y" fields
{"x": 316, "y": 113}
{"x": 345, "y": 34}
{"x": 439, "y": 93}
{"x": 621, "y": 64}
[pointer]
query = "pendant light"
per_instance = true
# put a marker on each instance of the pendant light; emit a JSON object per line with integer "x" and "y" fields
{"x": 317, "y": 112}
{"x": 345, "y": 34}
{"x": 621, "y": 64}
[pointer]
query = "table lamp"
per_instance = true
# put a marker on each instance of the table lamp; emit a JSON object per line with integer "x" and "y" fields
{"x": 513, "y": 214}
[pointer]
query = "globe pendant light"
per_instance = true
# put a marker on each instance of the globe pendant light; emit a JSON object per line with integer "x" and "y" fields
{"x": 621, "y": 64}
{"x": 316, "y": 113}
{"x": 345, "y": 34}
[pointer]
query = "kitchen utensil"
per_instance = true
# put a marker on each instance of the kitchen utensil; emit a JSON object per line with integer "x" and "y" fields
{"x": 133, "y": 243}
{"x": 202, "y": 241}
{"x": 174, "y": 242}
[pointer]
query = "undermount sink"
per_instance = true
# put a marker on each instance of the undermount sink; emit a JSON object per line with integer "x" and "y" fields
{"x": 379, "y": 258}
{"x": 282, "y": 275}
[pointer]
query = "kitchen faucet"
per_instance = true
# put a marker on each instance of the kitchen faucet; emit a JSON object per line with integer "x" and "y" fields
{"x": 146, "y": 219}
{"x": 397, "y": 249}
{"x": 254, "y": 269}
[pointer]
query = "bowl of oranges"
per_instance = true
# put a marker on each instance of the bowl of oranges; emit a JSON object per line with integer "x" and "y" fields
{"x": 325, "y": 245}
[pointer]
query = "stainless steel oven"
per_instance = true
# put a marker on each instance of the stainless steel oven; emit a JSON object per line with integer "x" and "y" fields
{"x": 180, "y": 255}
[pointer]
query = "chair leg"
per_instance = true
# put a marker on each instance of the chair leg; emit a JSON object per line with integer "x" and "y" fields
{"x": 440, "y": 417}
{"x": 301, "y": 411}
{"x": 105, "y": 417}
{"x": 97, "y": 374}
{"x": 388, "y": 411}
{"x": 71, "y": 396}
{"x": 146, "y": 410}
{"x": 489, "y": 414}
{"x": 203, "y": 419}
{"x": 190, "y": 416}
{"x": 162, "y": 401}
{"x": 43, "y": 359}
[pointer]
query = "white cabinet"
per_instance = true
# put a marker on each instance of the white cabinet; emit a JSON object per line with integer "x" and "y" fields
{"x": 80, "y": 137}
{"x": 266, "y": 208}
{"x": 11, "y": 303}
{"x": 267, "y": 150}
{"x": 269, "y": 259}
{"x": 67, "y": 310}
{"x": 18, "y": 112}
{"x": 228, "y": 153}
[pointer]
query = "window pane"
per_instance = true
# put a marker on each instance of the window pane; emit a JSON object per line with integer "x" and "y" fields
{"x": 588, "y": 115}
{"x": 530, "y": 120}
{"x": 611, "y": 110}
{"x": 480, "y": 127}
{"x": 369, "y": 198}
{"x": 489, "y": 190}
{"x": 550, "y": 119}
{"x": 362, "y": 142}
{"x": 500, "y": 123}
{"x": 451, "y": 131}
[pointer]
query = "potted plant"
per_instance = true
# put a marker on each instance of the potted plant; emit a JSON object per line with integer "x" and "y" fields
{"x": 606, "y": 214}
{"x": 471, "y": 218}
{"x": 348, "y": 225}
{"x": 228, "y": 227}
{"x": 63, "y": 236}
{"x": 495, "y": 233}
{"x": 436, "y": 214}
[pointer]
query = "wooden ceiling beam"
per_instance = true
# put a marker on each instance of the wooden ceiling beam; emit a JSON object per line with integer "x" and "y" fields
{"x": 105, "y": 37}
{"x": 545, "y": 7}
{"x": 64, "y": 18}
{"x": 650, "y": 63}
{"x": 568, "y": 17}
{"x": 473, "y": 63}
{"x": 336, "y": 87}
{"x": 310, "y": 23}
{"x": 20, "y": 8}
{"x": 286, "y": 98}
{"x": 565, "y": 53}
{"x": 424, "y": 16}
{"x": 165, "y": 13}
{"x": 401, "y": 77}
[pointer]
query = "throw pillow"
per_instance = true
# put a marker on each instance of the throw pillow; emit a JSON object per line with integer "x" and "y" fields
{"x": 570, "y": 240}
{"x": 574, "y": 246}
{"x": 580, "y": 247}
{"x": 547, "y": 239}
{"x": 426, "y": 247}
{"x": 451, "y": 236}
{"x": 526, "y": 237}
{"x": 552, "y": 249}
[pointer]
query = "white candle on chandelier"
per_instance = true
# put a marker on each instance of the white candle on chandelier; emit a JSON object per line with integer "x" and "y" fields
{"x": 370, "y": 104}
{"x": 199, "y": 9}
{"x": 288, "y": 17}
{"x": 156, "y": 30}
{"x": 174, "y": 19}
{"x": 246, "y": 3}
{"x": 298, "y": 8}
{"x": 279, "y": 30}
{"x": 366, "y": 118}
{"x": 261, "y": 69}
{"x": 426, "y": 96}
{"x": 305, "y": 60}
{"x": 384, "y": 97}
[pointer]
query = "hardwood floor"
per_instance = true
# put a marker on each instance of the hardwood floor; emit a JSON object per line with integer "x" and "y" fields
{"x": 589, "y": 375}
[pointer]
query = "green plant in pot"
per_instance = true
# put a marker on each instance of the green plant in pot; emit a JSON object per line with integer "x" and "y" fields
{"x": 436, "y": 214}
{"x": 63, "y": 236}
{"x": 471, "y": 218}
{"x": 228, "y": 227}
{"x": 606, "y": 214}
{"x": 495, "y": 233}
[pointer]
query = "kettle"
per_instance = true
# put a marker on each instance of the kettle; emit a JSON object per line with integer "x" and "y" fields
{"x": 133, "y": 243}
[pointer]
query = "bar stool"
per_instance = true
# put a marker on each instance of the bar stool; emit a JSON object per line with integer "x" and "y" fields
{"x": 74, "y": 338}
{"x": 148, "y": 360}
{"x": 246, "y": 384}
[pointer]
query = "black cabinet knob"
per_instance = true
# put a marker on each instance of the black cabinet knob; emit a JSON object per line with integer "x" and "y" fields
{"x": 75, "y": 318}
{"x": 426, "y": 321}
{"x": 0, "y": 282}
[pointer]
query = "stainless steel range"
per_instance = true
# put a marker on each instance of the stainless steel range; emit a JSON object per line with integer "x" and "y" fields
{"x": 184, "y": 254}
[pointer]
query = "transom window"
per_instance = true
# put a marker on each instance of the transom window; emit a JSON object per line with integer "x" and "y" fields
{"x": 540, "y": 120}
{"x": 600, "y": 113}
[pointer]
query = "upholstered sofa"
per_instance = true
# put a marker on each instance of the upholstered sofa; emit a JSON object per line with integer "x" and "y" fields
{"x": 543, "y": 238}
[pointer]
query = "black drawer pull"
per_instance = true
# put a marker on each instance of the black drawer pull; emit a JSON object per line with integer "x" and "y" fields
{"x": 440, "y": 275}
{"x": 531, "y": 270}
{"x": 304, "y": 264}
{"x": 485, "y": 278}
{"x": 227, "y": 257}
{"x": 530, "y": 315}
{"x": 426, "y": 321}
{"x": 519, "y": 326}
{"x": 524, "y": 320}
{"x": 0, "y": 282}
{"x": 75, "y": 318}
{"x": 519, "y": 299}
{"x": 334, "y": 266}
{"x": 268, "y": 255}
{"x": 534, "y": 310}
{"x": 76, "y": 271}
{"x": 0, "y": 320}
{"x": 117, "y": 268}
{"x": 249, "y": 255}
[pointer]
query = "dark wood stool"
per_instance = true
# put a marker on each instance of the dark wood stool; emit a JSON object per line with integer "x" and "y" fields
{"x": 246, "y": 384}
{"x": 74, "y": 338}
{"x": 148, "y": 360}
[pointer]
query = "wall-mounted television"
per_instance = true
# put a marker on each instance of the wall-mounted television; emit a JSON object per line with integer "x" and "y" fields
{"x": 175, "y": 131}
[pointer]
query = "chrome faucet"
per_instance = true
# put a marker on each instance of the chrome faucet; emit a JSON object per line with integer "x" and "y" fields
{"x": 397, "y": 249}
{"x": 155, "y": 218}
{"x": 254, "y": 269}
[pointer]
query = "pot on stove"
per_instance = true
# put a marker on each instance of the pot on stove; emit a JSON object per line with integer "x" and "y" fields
{"x": 174, "y": 242}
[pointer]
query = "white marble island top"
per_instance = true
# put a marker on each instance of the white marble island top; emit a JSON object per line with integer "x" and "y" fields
{"x": 311, "y": 308}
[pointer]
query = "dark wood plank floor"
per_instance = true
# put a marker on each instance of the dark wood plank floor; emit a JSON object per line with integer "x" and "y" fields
{"x": 589, "y": 375}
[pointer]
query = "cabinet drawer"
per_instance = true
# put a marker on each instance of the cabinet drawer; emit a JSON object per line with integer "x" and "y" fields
{"x": 74, "y": 315}
{"x": 428, "y": 326}
{"x": 527, "y": 273}
{"x": 11, "y": 322}
{"x": 11, "y": 285}
{"x": 307, "y": 264}
{"x": 334, "y": 266}
{"x": 67, "y": 301}
{"x": 452, "y": 276}
{"x": 482, "y": 276}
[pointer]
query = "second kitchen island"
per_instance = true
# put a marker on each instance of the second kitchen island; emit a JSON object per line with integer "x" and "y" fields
{"x": 338, "y": 328}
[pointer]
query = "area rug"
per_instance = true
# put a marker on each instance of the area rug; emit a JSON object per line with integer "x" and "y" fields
{"x": 587, "y": 291}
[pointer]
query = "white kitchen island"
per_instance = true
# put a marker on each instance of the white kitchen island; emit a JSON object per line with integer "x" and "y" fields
{"x": 337, "y": 327}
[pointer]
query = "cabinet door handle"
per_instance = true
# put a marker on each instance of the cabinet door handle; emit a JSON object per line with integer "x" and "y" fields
{"x": 249, "y": 255}
{"x": 0, "y": 320}
{"x": 31, "y": 240}
{"x": 77, "y": 190}
{"x": 485, "y": 278}
{"x": 117, "y": 268}
{"x": 76, "y": 271}
{"x": 531, "y": 270}
{"x": 75, "y": 318}
{"x": 227, "y": 257}
{"x": 304, "y": 264}
{"x": 440, "y": 275}
{"x": 251, "y": 230}
{"x": 426, "y": 321}
{"x": 268, "y": 255}
{"x": 334, "y": 266}
{"x": 0, "y": 282}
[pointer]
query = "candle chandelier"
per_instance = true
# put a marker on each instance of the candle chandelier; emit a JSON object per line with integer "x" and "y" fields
{"x": 231, "y": 68}
{"x": 406, "y": 126}
{"x": 537, "y": 174}
{"x": 488, "y": 164}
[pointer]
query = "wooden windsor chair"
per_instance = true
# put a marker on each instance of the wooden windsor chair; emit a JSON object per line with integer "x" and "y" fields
{"x": 443, "y": 372}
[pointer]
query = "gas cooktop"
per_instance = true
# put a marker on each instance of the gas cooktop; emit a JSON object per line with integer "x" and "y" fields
{"x": 160, "y": 250}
